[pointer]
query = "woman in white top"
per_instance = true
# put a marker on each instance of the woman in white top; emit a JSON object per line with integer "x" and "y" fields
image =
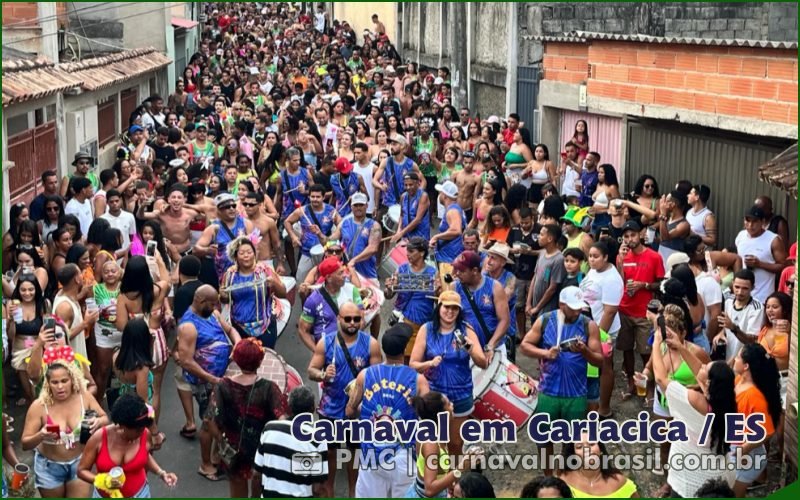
{"x": 714, "y": 394}
{"x": 540, "y": 171}
{"x": 607, "y": 190}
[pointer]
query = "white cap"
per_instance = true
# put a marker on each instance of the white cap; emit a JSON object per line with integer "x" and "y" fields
{"x": 438, "y": 81}
{"x": 493, "y": 119}
{"x": 359, "y": 199}
{"x": 448, "y": 188}
{"x": 389, "y": 69}
{"x": 675, "y": 259}
{"x": 177, "y": 162}
{"x": 399, "y": 139}
{"x": 223, "y": 198}
{"x": 572, "y": 297}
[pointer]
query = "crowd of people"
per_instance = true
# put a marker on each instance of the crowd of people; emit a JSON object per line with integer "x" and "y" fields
{"x": 293, "y": 160}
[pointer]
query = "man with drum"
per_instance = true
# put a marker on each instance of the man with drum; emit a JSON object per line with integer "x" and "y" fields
{"x": 321, "y": 308}
{"x": 377, "y": 395}
{"x": 361, "y": 239}
{"x": 415, "y": 306}
{"x": 388, "y": 178}
{"x": 339, "y": 356}
{"x": 293, "y": 194}
{"x": 203, "y": 351}
{"x": 565, "y": 341}
{"x": 449, "y": 242}
{"x": 414, "y": 204}
{"x": 215, "y": 238}
{"x": 495, "y": 267}
{"x": 345, "y": 184}
{"x": 485, "y": 303}
{"x": 317, "y": 220}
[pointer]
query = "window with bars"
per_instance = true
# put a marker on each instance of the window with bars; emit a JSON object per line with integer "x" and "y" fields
{"x": 106, "y": 120}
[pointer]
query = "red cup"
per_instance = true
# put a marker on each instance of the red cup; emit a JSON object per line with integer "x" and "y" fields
{"x": 21, "y": 472}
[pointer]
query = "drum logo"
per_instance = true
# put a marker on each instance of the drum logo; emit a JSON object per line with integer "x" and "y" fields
{"x": 486, "y": 300}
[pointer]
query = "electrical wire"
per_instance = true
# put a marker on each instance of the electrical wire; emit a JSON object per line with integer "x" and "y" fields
{"x": 169, "y": 6}
{"x": 92, "y": 9}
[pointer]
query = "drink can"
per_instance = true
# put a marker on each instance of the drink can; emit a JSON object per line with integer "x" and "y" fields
{"x": 21, "y": 472}
{"x": 91, "y": 305}
{"x": 117, "y": 474}
{"x": 629, "y": 291}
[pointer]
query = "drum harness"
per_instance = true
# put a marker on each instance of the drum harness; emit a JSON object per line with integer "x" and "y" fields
{"x": 332, "y": 304}
{"x": 477, "y": 313}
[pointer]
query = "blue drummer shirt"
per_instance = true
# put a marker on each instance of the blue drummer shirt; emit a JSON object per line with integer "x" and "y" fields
{"x": 485, "y": 301}
{"x": 388, "y": 390}
{"x": 410, "y": 206}
{"x": 453, "y": 376}
{"x": 224, "y": 236}
{"x": 417, "y": 307}
{"x": 393, "y": 177}
{"x": 318, "y": 313}
{"x": 290, "y": 191}
{"x": 565, "y": 376}
{"x": 250, "y": 303}
{"x": 344, "y": 186}
{"x": 512, "y": 299}
{"x": 212, "y": 349}
{"x": 334, "y": 400}
{"x": 325, "y": 219}
{"x": 448, "y": 250}
{"x": 355, "y": 238}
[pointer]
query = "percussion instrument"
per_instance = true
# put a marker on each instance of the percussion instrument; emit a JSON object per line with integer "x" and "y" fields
{"x": 317, "y": 254}
{"x": 282, "y": 308}
{"x": 411, "y": 282}
{"x": 503, "y": 391}
{"x": 297, "y": 230}
{"x": 391, "y": 221}
{"x": 274, "y": 368}
{"x": 257, "y": 282}
{"x": 391, "y": 263}
{"x": 372, "y": 297}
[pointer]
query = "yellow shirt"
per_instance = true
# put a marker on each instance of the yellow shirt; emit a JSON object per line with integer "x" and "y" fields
{"x": 625, "y": 491}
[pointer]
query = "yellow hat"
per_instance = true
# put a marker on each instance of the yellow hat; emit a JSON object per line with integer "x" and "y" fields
{"x": 450, "y": 298}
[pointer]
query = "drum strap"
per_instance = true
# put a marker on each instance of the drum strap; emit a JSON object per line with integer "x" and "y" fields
{"x": 227, "y": 230}
{"x": 477, "y": 313}
{"x": 311, "y": 213}
{"x": 347, "y": 356}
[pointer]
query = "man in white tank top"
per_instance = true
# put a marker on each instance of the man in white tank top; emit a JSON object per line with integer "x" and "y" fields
{"x": 702, "y": 220}
{"x": 761, "y": 251}
{"x": 365, "y": 168}
{"x": 66, "y": 307}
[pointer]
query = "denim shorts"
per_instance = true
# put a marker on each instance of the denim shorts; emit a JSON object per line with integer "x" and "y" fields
{"x": 143, "y": 493}
{"x": 51, "y": 474}
{"x": 756, "y": 467}
{"x": 593, "y": 389}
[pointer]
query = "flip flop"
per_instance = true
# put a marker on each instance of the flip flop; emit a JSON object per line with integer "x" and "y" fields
{"x": 626, "y": 395}
{"x": 188, "y": 433}
{"x": 212, "y": 476}
{"x": 158, "y": 444}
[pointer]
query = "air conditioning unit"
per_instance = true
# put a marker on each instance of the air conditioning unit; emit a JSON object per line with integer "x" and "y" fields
{"x": 82, "y": 132}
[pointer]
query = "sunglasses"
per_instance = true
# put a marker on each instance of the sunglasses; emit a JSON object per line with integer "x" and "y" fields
{"x": 227, "y": 207}
{"x": 249, "y": 205}
{"x": 351, "y": 319}
{"x": 648, "y": 186}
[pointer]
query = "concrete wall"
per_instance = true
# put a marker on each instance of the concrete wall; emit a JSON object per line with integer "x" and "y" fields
{"x": 359, "y": 15}
{"x": 128, "y": 25}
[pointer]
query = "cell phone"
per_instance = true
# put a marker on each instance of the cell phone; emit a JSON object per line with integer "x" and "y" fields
{"x": 151, "y": 248}
{"x": 567, "y": 345}
{"x": 603, "y": 232}
{"x": 49, "y": 322}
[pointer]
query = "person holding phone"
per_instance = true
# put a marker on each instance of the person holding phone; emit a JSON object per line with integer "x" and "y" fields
{"x": 53, "y": 422}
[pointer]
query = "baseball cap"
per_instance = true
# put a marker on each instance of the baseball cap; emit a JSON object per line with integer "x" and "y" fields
{"x": 493, "y": 119}
{"x": 359, "y": 199}
{"x": 676, "y": 259}
{"x": 575, "y": 215}
{"x": 450, "y": 298}
{"x": 572, "y": 297}
{"x": 438, "y": 80}
{"x": 390, "y": 69}
{"x": 343, "y": 165}
{"x": 755, "y": 213}
{"x": 467, "y": 260}
{"x": 411, "y": 176}
{"x": 399, "y": 139}
{"x": 631, "y": 225}
{"x": 200, "y": 125}
{"x": 329, "y": 266}
{"x": 395, "y": 339}
{"x": 135, "y": 128}
{"x": 223, "y": 198}
{"x": 448, "y": 188}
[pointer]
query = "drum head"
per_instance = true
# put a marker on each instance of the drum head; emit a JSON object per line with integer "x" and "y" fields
{"x": 482, "y": 379}
{"x": 317, "y": 250}
{"x": 273, "y": 368}
{"x": 394, "y": 212}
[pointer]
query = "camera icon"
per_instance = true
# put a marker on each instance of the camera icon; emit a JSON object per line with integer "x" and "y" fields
{"x": 307, "y": 464}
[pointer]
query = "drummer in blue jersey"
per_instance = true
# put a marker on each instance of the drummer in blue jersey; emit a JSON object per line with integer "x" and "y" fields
{"x": 485, "y": 303}
{"x": 216, "y": 237}
{"x": 414, "y": 204}
{"x": 384, "y": 392}
{"x": 449, "y": 243}
{"x": 495, "y": 267}
{"x": 564, "y": 341}
{"x": 345, "y": 185}
{"x": 389, "y": 176}
{"x": 317, "y": 221}
{"x": 416, "y": 307}
{"x": 442, "y": 352}
{"x": 361, "y": 237}
{"x": 292, "y": 193}
{"x": 337, "y": 369}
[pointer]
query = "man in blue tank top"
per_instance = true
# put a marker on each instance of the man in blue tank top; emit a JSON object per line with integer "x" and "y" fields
{"x": 345, "y": 185}
{"x": 337, "y": 371}
{"x": 215, "y": 238}
{"x": 361, "y": 238}
{"x": 317, "y": 221}
{"x": 389, "y": 176}
{"x": 495, "y": 267}
{"x": 449, "y": 243}
{"x": 414, "y": 205}
{"x": 485, "y": 303}
{"x": 564, "y": 341}
{"x": 383, "y": 393}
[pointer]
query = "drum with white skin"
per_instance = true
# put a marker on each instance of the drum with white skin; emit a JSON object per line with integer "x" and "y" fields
{"x": 503, "y": 392}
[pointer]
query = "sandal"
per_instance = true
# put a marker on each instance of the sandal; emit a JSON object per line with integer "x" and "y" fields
{"x": 626, "y": 395}
{"x": 212, "y": 476}
{"x": 647, "y": 403}
{"x": 158, "y": 441}
{"x": 188, "y": 433}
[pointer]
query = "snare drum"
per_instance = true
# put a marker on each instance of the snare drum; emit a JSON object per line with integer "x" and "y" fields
{"x": 290, "y": 284}
{"x": 391, "y": 221}
{"x": 317, "y": 253}
{"x": 372, "y": 297}
{"x": 503, "y": 391}
{"x": 297, "y": 230}
{"x": 392, "y": 262}
{"x": 276, "y": 369}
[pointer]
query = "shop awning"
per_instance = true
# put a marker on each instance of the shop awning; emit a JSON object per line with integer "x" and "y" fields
{"x": 182, "y": 22}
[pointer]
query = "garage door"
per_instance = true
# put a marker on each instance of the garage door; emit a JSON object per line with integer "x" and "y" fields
{"x": 604, "y": 136}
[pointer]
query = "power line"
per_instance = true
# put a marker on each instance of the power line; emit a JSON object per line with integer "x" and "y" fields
{"x": 169, "y": 6}
{"x": 92, "y": 9}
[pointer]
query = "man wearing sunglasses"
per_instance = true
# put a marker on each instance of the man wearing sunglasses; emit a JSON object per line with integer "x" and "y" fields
{"x": 215, "y": 238}
{"x": 83, "y": 164}
{"x": 269, "y": 248}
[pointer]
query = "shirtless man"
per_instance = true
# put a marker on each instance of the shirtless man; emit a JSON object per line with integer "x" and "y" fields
{"x": 269, "y": 248}
{"x": 467, "y": 181}
{"x": 174, "y": 218}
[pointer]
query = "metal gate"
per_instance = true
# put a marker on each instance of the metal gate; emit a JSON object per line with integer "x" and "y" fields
{"x": 32, "y": 152}
{"x": 527, "y": 97}
{"x": 726, "y": 162}
{"x": 129, "y": 99}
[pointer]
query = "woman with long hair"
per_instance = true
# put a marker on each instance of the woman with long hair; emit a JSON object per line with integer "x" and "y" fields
{"x": 18, "y": 213}
{"x": 123, "y": 443}
{"x": 244, "y": 403}
{"x": 62, "y": 242}
{"x": 757, "y": 392}
{"x": 142, "y": 296}
{"x": 216, "y": 185}
{"x": 28, "y": 298}
{"x": 94, "y": 237}
{"x": 517, "y": 158}
{"x": 541, "y": 171}
{"x": 498, "y": 225}
{"x": 442, "y": 352}
{"x": 594, "y": 477}
{"x": 53, "y": 425}
{"x": 133, "y": 365}
{"x": 695, "y": 303}
{"x": 381, "y": 144}
{"x": 446, "y": 116}
{"x": 27, "y": 260}
{"x": 79, "y": 255}
{"x": 490, "y": 196}
{"x": 53, "y": 211}
{"x": 435, "y": 476}
{"x": 28, "y": 236}
{"x": 607, "y": 190}
{"x": 110, "y": 244}
{"x": 581, "y": 138}
{"x": 515, "y": 199}
{"x": 457, "y": 139}
{"x": 361, "y": 129}
{"x": 107, "y": 337}
{"x": 72, "y": 224}
{"x": 310, "y": 148}
{"x": 177, "y": 176}
{"x": 643, "y": 205}
{"x": 269, "y": 161}
{"x": 346, "y": 144}
{"x": 473, "y": 135}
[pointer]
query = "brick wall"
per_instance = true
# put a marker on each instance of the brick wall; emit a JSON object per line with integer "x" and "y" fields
{"x": 566, "y": 62}
{"x": 19, "y": 13}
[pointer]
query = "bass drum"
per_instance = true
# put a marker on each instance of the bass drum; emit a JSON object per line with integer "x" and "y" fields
{"x": 392, "y": 262}
{"x": 276, "y": 369}
{"x": 503, "y": 392}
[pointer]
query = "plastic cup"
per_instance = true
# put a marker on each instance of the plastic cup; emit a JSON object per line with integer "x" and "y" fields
{"x": 781, "y": 330}
{"x": 91, "y": 305}
{"x": 641, "y": 385}
{"x": 21, "y": 472}
{"x": 18, "y": 312}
